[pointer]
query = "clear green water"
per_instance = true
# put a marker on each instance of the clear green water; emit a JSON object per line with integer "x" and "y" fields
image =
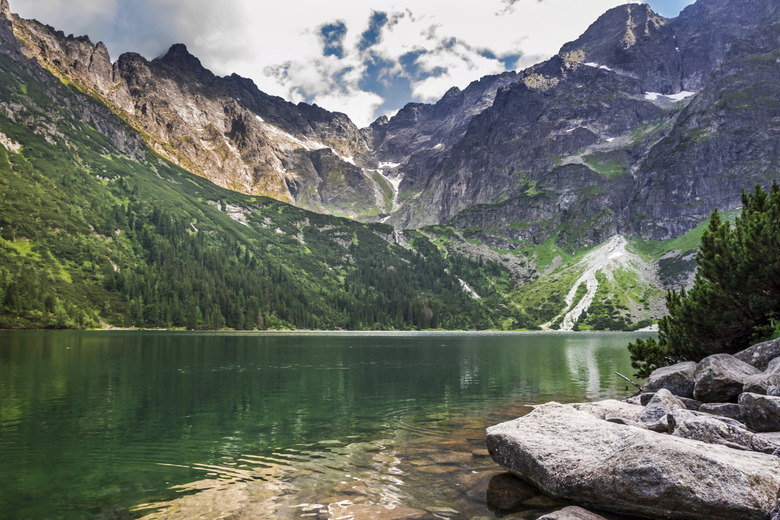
{"x": 95, "y": 424}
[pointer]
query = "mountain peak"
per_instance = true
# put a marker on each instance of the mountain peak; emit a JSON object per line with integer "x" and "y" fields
{"x": 5, "y": 9}
{"x": 180, "y": 58}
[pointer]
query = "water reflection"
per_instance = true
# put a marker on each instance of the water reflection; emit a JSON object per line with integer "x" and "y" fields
{"x": 581, "y": 359}
{"x": 271, "y": 421}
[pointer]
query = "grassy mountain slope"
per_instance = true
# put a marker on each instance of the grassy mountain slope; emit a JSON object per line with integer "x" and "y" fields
{"x": 96, "y": 229}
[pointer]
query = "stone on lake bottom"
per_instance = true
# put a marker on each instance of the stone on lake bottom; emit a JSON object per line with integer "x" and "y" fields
{"x": 572, "y": 513}
{"x": 506, "y": 493}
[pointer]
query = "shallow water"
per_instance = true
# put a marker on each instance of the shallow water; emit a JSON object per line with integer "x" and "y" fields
{"x": 260, "y": 425}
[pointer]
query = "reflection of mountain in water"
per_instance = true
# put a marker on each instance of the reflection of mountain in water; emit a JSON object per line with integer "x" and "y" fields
{"x": 581, "y": 358}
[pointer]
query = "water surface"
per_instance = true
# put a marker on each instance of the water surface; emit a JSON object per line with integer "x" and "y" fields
{"x": 125, "y": 424}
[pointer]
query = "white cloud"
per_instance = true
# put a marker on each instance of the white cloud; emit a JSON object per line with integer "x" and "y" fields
{"x": 278, "y": 45}
{"x": 360, "y": 106}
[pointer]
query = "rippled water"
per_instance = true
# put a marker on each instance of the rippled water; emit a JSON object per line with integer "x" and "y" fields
{"x": 342, "y": 425}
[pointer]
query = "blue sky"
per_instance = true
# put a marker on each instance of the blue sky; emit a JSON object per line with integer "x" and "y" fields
{"x": 364, "y": 58}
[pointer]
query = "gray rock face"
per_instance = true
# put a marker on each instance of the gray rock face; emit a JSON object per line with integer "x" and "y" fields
{"x": 760, "y": 354}
{"x": 720, "y": 378}
{"x": 683, "y": 423}
{"x": 681, "y": 414}
{"x": 761, "y": 412}
{"x": 653, "y": 417}
{"x": 572, "y": 513}
{"x": 766, "y": 382}
{"x": 573, "y": 455}
{"x": 730, "y": 410}
{"x": 610, "y": 408}
{"x": 678, "y": 379}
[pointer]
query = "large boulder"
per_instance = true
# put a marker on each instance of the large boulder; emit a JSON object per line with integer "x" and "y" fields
{"x": 573, "y": 455}
{"x": 678, "y": 379}
{"x": 761, "y": 412}
{"x": 730, "y": 410}
{"x": 720, "y": 378}
{"x": 700, "y": 427}
{"x": 611, "y": 408}
{"x": 690, "y": 404}
{"x": 767, "y": 381}
{"x": 653, "y": 417}
{"x": 760, "y": 354}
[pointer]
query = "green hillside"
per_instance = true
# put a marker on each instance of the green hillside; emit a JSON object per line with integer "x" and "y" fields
{"x": 91, "y": 238}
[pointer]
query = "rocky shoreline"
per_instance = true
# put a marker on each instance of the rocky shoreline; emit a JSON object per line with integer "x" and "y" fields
{"x": 702, "y": 440}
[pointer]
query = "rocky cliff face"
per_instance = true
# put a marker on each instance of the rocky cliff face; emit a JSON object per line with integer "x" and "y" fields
{"x": 224, "y": 129}
{"x": 641, "y": 126}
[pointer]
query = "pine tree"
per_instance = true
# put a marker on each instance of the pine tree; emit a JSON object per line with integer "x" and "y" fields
{"x": 736, "y": 292}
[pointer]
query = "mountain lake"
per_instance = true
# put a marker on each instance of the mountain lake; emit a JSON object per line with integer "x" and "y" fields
{"x": 341, "y": 425}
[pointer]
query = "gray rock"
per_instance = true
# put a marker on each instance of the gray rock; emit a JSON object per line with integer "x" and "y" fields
{"x": 610, "y": 408}
{"x": 634, "y": 399}
{"x": 572, "y": 455}
{"x": 678, "y": 379}
{"x": 700, "y": 427}
{"x": 506, "y": 493}
{"x": 760, "y": 354}
{"x": 767, "y": 382}
{"x": 761, "y": 412}
{"x": 654, "y": 415}
{"x": 572, "y": 513}
{"x": 773, "y": 437}
{"x": 730, "y": 410}
{"x": 691, "y": 404}
{"x": 645, "y": 397}
{"x": 624, "y": 421}
{"x": 677, "y": 414}
{"x": 720, "y": 378}
{"x": 774, "y": 514}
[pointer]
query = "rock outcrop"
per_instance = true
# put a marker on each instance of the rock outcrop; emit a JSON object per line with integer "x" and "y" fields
{"x": 720, "y": 378}
{"x": 761, "y": 412}
{"x": 678, "y": 379}
{"x": 685, "y": 424}
{"x": 574, "y": 455}
{"x": 653, "y": 417}
{"x": 222, "y": 128}
{"x": 618, "y": 456}
{"x": 760, "y": 354}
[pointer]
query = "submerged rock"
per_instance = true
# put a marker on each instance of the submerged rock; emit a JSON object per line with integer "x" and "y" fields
{"x": 570, "y": 454}
{"x": 572, "y": 513}
{"x": 720, "y": 378}
{"x": 506, "y": 493}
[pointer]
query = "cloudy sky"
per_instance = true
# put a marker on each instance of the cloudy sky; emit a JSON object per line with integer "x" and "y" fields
{"x": 364, "y": 58}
